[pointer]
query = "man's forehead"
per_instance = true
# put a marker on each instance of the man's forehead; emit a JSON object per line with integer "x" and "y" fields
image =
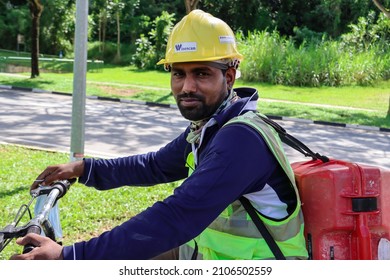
{"x": 211, "y": 65}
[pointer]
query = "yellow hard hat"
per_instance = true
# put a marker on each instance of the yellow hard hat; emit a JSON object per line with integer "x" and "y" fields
{"x": 199, "y": 36}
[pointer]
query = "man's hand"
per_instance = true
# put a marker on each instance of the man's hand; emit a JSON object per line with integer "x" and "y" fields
{"x": 59, "y": 172}
{"x": 45, "y": 248}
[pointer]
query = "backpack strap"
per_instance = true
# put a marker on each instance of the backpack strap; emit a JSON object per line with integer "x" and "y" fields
{"x": 262, "y": 229}
{"x": 292, "y": 141}
{"x": 296, "y": 144}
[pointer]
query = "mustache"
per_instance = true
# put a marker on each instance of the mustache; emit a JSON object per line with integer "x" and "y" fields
{"x": 190, "y": 95}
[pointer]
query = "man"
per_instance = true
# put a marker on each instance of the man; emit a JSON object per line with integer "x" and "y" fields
{"x": 227, "y": 152}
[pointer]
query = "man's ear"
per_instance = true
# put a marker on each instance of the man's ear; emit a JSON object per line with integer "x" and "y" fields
{"x": 230, "y": 77}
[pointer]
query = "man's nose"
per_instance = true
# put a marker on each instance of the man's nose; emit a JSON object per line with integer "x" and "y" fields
{"x": 189, "y": 84}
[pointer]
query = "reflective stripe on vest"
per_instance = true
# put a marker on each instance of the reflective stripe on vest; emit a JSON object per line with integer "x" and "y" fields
{"x": 233, "y": 235}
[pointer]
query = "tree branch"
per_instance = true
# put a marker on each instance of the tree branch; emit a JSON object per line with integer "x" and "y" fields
{"x": 382, "y": 8}
{"x": 191, "y": 5}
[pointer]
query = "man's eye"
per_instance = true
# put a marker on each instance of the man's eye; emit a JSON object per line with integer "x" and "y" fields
{"x": 177, "y": 74}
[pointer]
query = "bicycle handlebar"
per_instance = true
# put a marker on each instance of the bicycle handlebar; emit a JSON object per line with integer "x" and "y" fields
{"x": 62, "y": 187}
{"x": 41, "y": 217}
{"x": 32, "y": 229}
{"x": 40, "y": 222}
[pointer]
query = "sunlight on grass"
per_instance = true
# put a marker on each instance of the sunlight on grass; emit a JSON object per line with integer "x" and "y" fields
{"x": 85, "y": 212}
{"x": 314, "y": 113}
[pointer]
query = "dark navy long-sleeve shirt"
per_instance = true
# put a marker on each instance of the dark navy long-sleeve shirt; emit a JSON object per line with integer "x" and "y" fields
{"x": 232, "y": 161}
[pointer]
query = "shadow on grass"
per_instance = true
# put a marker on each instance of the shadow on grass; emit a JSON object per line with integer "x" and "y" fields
{"x": 28, "y": 82}
{"x": 12, "y": 192}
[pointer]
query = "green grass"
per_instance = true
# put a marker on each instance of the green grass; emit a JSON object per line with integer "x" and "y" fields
{"x": 278, "y": 60}
{"x": 85, "y": 212}
{"x": 317, "y": 113}
{"x": 363, "y": 105}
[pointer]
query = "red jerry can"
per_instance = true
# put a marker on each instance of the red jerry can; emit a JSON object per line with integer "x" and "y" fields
{"x": 346, "y": 207}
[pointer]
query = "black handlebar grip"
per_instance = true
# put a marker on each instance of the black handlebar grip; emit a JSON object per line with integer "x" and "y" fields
{"x": 63, "y": 186}
{"x": 32, "y": 229}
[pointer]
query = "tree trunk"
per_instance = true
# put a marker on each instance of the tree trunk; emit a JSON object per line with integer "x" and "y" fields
{"x": 118, "y": 48}
{"x": 388, "y": 110}
{"x": 191, "y": 5}
{"x": 100, "y": 33}
{"x": 36, "y": 9}
{"x": 382, "y": 8}
{"x": 104, "y": 26}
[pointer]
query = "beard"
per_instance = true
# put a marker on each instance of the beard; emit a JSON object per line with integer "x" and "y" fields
{"x": 202, "y": 110}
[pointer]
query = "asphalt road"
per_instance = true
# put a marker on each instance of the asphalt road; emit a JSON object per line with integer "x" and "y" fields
{"x": 114, "y": 129}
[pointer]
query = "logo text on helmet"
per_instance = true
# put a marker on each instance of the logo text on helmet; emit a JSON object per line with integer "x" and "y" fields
{"x": 185, "y": 47}
{"x": 226, "y": 39}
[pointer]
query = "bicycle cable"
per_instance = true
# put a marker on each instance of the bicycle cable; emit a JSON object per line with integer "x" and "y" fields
{"x": 18, "y": 217}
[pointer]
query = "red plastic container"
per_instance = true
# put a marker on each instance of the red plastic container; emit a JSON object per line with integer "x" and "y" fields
{"x": 346, "y": 208}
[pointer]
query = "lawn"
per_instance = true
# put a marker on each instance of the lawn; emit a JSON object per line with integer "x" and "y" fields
{"x": 85, "y": 212}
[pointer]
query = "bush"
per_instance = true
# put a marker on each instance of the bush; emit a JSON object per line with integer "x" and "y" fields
{"x": 368, "y": 33}
{"x": 107, "y": 52}
{"x": 270, "y": 58}
{"x": 151, "y": 48}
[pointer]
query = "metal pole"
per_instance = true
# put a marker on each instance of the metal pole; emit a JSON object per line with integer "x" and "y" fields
{"x": 79, "y": 81}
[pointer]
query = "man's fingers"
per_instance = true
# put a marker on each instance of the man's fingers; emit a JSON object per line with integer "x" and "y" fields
{"x": 45, "y": 178}
{"x": 48, "y": 176}
{"x": 31, "y": 238}
{"x": 45, "y": 248}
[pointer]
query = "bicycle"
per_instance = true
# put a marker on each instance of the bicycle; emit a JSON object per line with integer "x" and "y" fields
{"x": 39, "y": 223}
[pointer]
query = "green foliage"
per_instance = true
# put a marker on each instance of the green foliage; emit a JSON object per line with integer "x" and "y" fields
{"x": 368, "y": 33}
{"x": 274, "y": 59}
{"x": 107, "y": 52}
{"x": 12, "y": 23}
{"x": 368, "y": 45}
{"x": 298, "y": 27}
{"x": 102, "y": 51}
{"x": 151, "y": 48}
{"x": 57, "y": 27}
{"x": 242, "y": 15}
{"x": 304, "y": 34}
{"x": 144, "y": 57}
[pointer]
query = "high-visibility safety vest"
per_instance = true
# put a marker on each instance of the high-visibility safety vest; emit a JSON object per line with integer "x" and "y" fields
{"x": 233, "y": 235}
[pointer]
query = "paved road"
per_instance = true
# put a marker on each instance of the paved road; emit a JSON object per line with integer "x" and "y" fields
{"x": 117, "y": 129}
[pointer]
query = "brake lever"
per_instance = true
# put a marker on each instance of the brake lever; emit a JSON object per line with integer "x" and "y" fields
{"x": 8, "y": 233}
{"x": 11, "y": 231}
{"x": 41, "y": 190}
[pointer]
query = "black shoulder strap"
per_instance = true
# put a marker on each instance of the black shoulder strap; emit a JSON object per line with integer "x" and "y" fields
{"x": 292, "y": 141}
{"x": 262, "y": 229}
{"x": 300, "y": 147}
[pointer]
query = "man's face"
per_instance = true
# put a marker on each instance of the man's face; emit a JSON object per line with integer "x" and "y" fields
{"x": 199, "y": 89}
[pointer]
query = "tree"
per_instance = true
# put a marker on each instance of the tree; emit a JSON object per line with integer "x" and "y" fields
{"x": 57, "y": 27}
{"x": 382, "y": 8}
{"x": 108, "y": 11}
{"x": 191, "y": 5}
{"x": 36, "y": 9}
{"x": 116, "y": 7}
{"x": 100, "y": 12}
{"x": 387, "y": 14}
